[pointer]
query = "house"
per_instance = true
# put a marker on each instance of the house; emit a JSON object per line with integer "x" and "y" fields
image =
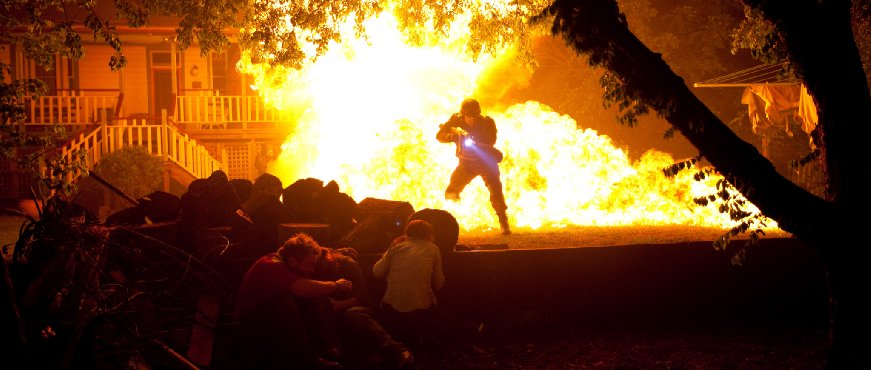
{"x": 195, "y": 111}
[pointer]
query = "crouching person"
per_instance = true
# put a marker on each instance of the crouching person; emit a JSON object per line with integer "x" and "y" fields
{"x": 412, "y": 266}
{"x": 281, "y": 309}
{"x": 367, "y": 343}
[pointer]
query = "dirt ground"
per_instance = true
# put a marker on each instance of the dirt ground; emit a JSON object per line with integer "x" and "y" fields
{"x": 760, "y": 347}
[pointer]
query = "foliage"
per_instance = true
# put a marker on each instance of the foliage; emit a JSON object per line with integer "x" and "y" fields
{"x": 728, "y": 201}
{"x": 53, "y": 269}
{"x": 689, "y": 35}
{"x": 759, "y": 36}
{"x": 96, "y": 297}
{"x": 291, "y": 34}
{"x": 133, "y": 170}
{"x": 766, "y": 44}
{"x": 821, "y": 48}
{"x": 628, "y": 104}
{"x": 26, "y": 150}
{"x": 13, "y": 141}
{"x": 47, "y": 30}
{"x": 295, "y": 33}
{"x": 861, "y": 21}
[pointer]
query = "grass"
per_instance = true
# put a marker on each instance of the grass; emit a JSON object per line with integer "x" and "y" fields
{"x": 601, "y": 236}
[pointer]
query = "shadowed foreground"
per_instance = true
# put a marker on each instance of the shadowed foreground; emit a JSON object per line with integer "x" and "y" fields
{"x": 651, "y": 298}
{"x": 759, "y": 346}
{"x": 648, "y": 306}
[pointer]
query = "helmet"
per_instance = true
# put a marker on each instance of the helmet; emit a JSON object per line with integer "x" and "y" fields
{"x": 470, "y": 107}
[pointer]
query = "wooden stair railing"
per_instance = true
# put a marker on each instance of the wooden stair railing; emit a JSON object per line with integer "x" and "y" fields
{"x": 162, "y": 140}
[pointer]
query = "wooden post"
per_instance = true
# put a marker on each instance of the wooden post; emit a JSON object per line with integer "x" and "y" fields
{"x": 164, "y": 134}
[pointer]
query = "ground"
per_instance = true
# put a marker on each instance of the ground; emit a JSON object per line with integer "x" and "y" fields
{"x": 531, "y": 340}
{"x": 699, "y": 347}
{"x": 599, "y": 236}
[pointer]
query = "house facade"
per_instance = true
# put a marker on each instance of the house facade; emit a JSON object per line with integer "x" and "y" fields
{"x": 196, "y": 111}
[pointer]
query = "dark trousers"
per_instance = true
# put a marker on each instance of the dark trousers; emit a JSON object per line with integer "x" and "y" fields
{"x": 365, "y": 335}
{"x": 467, "y": 170}
{"x": 276, "y": 335}
{"x": 361, "y": 327}
{"x": 420, "y": 325}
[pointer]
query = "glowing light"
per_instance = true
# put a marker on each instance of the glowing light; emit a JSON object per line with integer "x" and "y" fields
{"x": 368, "y": 112}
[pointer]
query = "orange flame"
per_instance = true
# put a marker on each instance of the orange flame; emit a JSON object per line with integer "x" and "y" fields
{"x": 369, "y": 111}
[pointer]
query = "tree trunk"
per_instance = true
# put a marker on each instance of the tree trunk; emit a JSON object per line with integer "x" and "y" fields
{"x": 850, "y": 310}
{"x": 817, "y": 33}
{"x": 598, "y": 29}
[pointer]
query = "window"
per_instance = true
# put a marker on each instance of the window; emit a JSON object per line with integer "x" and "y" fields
{"x": 219, "y": 72}
{"x": 49, "y": 77}
{"x": 161, "y": 58}
{"x": 59, "y": 78}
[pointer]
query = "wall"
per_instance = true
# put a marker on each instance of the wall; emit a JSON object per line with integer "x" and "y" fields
{"x": 190, "y": 58}
{"x": 94, "y": 72}
{"x": 635, "y": 285}
{"x": 136, "y": 96}
{"x": 782, "y": 281}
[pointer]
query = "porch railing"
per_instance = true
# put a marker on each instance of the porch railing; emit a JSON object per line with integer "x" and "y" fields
{"x": 227, "y": 112}
{"x": 80, "y": 109}
{"x": 75, "y": 109}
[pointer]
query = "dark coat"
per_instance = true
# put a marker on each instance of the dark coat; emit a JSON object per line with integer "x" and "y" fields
{"x": 482, "y": 130}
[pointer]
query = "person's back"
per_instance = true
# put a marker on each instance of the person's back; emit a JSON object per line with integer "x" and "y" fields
{"x": 266, "y": 212}
{"x": 413, "y": 269}
{"x": 414, "y": 266}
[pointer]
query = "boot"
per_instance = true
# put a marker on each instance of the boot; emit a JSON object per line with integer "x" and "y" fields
{"x": 503, "y": 223}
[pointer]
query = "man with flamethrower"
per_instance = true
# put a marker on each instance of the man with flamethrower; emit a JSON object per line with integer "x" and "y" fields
{"x": 475, "y": 136}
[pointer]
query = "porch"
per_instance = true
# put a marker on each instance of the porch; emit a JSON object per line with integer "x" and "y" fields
{"x": 199, "y": 134}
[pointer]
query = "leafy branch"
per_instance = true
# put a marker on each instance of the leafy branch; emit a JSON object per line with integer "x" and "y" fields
{"x": 728, "y": 201}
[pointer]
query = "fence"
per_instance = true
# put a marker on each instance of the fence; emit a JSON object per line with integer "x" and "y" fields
{"x": 72, "y": 110}
{"x": 227, "y": 112}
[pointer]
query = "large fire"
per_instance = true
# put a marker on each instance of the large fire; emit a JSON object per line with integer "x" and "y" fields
{"x": 369, "y": 111}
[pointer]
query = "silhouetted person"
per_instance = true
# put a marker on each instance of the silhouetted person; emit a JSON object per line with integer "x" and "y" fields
{"x": 208, "y": 203}
{"x": 264, "y": 209}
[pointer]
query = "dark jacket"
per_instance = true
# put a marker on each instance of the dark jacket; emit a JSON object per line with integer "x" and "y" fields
{"x": 482, "y": 130}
